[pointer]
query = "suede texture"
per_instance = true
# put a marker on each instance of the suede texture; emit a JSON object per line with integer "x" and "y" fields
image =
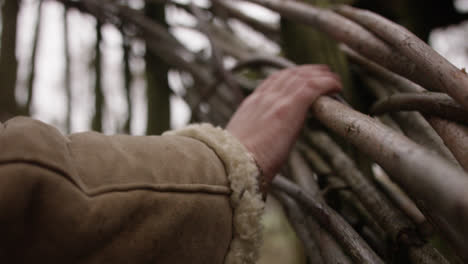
{"x": 90, "y": 198}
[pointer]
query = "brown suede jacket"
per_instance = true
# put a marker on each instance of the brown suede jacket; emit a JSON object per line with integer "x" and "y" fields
{"x": 189, "y": 196}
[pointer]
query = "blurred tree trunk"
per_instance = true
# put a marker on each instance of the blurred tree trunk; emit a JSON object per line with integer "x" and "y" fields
{"x": 126, "y": 47}
{"x": 32, "y": 66}
{"x": 158, "y": 92}
{"x": 8, "y": 62}
{"x": 305, "y": 45}
{"x": 66, "y": 43}
{"x": 98, "y": 94}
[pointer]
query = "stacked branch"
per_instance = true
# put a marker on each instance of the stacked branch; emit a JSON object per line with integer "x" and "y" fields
{"x": 340, "y": 212}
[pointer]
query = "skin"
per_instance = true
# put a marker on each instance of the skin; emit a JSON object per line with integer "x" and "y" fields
{"x": 269, "y": 121}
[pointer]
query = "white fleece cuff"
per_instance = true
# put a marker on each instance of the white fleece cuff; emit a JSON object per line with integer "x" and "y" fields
{"x": 246, "y": 198}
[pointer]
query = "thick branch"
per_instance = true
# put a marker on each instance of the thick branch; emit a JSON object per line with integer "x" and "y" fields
{"x": 260, "y": 60}
{"x": 402, "y": 200}
{"x": 438, "y": 104}
{"x": 400, "y": 83}
{"x": 455, "y": 136}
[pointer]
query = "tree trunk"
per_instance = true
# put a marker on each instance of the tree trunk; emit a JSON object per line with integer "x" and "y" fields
{"x": 68, "y": 92}
{"x": 32, "y": 69}
{"x": 158, "y": 92}
{"x": 303, "y": 44}
{"x": 98, "y": 94}
{"x": 8, "y": 61}
{"x": 126, "y": 47}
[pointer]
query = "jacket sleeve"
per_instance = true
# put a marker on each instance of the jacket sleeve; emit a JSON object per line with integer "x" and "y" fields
{"x": 189, "y": 196}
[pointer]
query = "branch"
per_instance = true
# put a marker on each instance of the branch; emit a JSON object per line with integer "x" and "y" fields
{"x": 419, "y": 171}
{"x": 298, "y": 220}
{"x": 403, "y": 201}
{"x": 354, "y": 245}
{"x": 401, "y": 84}
{"x": 317, "y": 163}
{"x": 433, "y": 71}
{"x": 438, "y": 104}
{"x": 455, "y": 136}
{"x": 261, "y": 60}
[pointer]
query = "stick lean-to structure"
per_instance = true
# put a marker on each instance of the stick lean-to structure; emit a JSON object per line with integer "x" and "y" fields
{"x": 418, "y": 139}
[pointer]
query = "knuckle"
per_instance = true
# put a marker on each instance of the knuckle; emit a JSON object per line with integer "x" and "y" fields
{"x": 281, "y": 110}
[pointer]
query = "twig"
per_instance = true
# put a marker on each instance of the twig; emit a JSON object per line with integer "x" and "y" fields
{"x": 354, "y": 245}
{"x": 419, "y": 171}
{"x": 433, "y": 71}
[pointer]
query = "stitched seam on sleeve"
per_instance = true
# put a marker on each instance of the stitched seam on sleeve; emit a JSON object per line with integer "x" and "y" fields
{"x": 175, "y": 188}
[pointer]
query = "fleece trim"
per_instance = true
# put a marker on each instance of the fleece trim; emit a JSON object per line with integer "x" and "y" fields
{"x": 246, "y": 198}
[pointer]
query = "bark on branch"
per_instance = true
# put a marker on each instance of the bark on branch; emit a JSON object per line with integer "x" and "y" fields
{"x": 419, "y": 171}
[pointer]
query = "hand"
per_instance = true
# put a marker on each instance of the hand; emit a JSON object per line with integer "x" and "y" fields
{"x": 268, "y": 122}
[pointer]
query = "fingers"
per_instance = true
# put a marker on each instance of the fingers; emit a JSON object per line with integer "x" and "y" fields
{"x": 285, "y": 80}
{"x": 322, "y": 85}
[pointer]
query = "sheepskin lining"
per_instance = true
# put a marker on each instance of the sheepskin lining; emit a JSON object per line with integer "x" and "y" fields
{"x": 246, "y": 199}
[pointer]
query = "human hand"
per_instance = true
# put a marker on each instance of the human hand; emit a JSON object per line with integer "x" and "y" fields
{"x": 268, "y": 121}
